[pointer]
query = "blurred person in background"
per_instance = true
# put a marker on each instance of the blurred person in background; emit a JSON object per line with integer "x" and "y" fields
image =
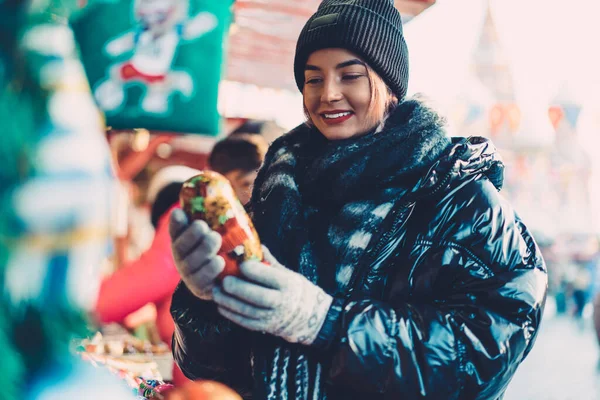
{"x": 238, "y": 157}
{"x": 581, "y": 284}
{"x": 131, "y": 235}
{"x": 396, "y": 270}
{"x": 269, "y": 130}
{"x": 594, "y": 267}
{"x": 580, "y": 275}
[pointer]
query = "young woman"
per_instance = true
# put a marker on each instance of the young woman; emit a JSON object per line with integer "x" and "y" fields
{"x": 396, "y": 270}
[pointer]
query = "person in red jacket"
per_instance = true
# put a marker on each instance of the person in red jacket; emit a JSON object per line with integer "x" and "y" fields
{"x": 152, "y": 277}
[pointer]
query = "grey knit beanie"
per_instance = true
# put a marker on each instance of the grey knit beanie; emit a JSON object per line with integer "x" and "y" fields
{"x": 372, "y": 29}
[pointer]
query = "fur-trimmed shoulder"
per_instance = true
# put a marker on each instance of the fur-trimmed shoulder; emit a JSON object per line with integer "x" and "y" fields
{"x": 417, "y": 114}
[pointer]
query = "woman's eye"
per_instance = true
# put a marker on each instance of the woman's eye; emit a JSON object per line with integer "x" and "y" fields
{"x": 312, "y": 81}
{"x": 351, "y": 77}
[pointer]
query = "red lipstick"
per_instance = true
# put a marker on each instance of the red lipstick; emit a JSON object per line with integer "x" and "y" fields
{"x": 341, "y": 116}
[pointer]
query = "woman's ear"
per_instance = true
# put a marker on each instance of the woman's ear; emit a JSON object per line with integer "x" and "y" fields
{"x": 393, "y": 98}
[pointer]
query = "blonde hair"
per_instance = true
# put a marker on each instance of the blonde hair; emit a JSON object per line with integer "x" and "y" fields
{"x": 381, "y": 103}
{"x": 382, "y": 99}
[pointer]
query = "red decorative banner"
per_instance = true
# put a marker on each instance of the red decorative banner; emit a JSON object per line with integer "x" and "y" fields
{"x": 556, "y": 114}
{"x": 505, "y": 113}
{"x": 413, "y": 7}
{"x": 263, "y": 39}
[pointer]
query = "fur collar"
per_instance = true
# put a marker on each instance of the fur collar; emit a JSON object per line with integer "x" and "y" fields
{"x": 410, "y": 142}
{"x": 304, "y": 173}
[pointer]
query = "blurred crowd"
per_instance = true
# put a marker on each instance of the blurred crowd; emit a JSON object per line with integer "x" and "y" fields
{"x": 573, "y": 275}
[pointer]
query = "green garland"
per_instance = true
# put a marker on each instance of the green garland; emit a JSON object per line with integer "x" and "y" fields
{"x": 33, "y": 336}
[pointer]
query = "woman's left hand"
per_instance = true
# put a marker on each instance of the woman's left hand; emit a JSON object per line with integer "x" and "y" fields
{"x": 275, "y": 300}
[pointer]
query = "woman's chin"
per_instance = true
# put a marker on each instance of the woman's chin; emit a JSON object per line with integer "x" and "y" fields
{"x": 341, "y": 133}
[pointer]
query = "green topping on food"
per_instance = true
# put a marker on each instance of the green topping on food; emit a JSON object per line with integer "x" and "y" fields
{"x": 198, "y": 205}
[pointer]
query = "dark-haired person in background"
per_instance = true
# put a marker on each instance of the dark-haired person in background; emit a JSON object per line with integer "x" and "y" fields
{"x": 268, "y": 130}
{"x": 238, "y": 157}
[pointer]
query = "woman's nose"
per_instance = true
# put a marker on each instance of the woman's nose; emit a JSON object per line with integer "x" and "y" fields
{"x": 331, "y": 92}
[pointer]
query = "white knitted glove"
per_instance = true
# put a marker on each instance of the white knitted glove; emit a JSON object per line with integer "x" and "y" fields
{"x": 275, "y": 300}
{"x": 195, "y": 248}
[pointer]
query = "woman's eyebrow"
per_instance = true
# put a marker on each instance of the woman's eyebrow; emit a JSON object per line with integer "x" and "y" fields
{"x": 354, "y": 61}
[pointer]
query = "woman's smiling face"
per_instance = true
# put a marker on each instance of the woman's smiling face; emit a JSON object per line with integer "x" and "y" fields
{"x": 337, "y": 94}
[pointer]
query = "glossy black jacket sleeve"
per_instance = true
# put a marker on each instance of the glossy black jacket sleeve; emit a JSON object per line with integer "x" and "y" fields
{"x": 207, "y": 346}
{"x": 479, "y": 287}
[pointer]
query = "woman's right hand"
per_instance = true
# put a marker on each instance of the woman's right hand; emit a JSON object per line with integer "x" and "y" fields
{"x": 195, "y": 248}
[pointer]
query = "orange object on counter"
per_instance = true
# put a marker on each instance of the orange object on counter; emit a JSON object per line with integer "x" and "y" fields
{"x": 210, "y": 197}
{"x": 202, "y": 390}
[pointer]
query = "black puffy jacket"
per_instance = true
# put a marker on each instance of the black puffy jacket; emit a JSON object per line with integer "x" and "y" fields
{"x": 447, "y": 306}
